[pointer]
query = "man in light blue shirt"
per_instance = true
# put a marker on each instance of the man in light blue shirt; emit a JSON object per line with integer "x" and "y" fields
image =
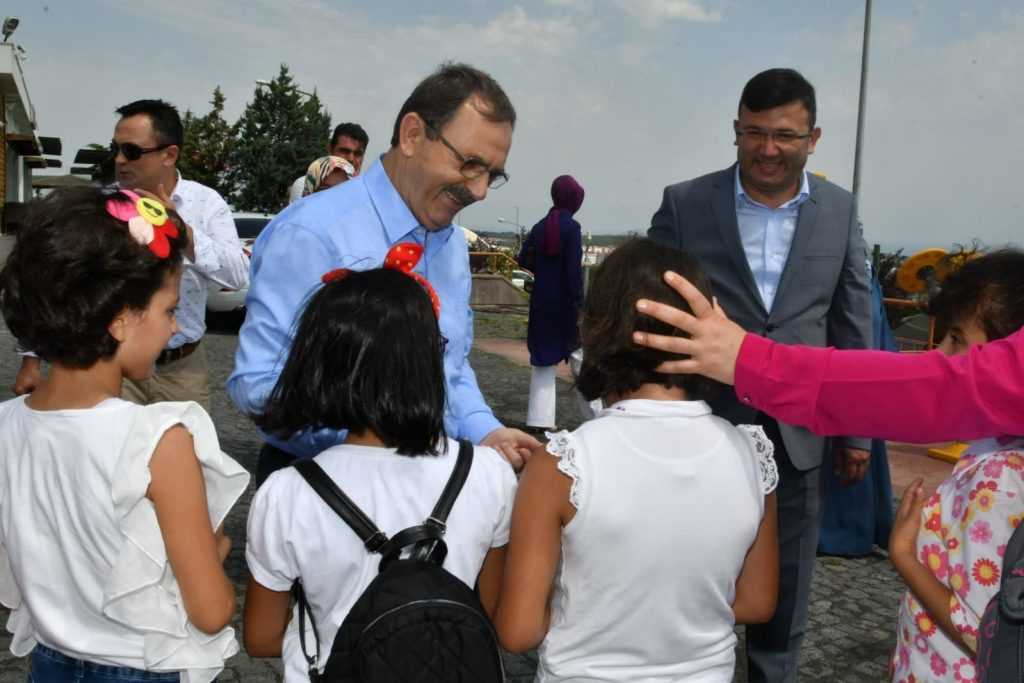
{"x": 767, "y": 235}
{"x": 449, "y": 146}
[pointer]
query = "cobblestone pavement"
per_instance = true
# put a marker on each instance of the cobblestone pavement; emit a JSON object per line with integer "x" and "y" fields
{"x": 853, "y": 610}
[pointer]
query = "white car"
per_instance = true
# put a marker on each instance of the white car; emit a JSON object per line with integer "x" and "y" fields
{"x": 222, "y": 299}
{"x": 523, "y": 280}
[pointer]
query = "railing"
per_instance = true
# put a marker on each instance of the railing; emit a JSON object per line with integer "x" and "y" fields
{"x": 493, "y": 261}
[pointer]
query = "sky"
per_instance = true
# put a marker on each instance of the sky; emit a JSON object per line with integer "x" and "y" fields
{"x": 626, "y": 95}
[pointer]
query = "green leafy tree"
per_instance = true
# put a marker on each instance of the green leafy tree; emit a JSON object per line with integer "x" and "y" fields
{"x": 208, "y": 141}
{"x": 280, "y": 132}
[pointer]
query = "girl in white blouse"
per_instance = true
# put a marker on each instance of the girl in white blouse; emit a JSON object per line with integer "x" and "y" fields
{"x": 109, "y": 556}
{"x": 639, "y": 540}
{"x": 367, "y": 357}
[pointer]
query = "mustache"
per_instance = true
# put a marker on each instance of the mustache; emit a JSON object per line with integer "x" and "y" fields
{"x": 460, "y": 194}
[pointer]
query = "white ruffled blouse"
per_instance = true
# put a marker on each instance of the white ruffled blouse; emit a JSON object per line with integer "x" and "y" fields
{"x": 668, "y": 501}
{"x": 82, "y": 560}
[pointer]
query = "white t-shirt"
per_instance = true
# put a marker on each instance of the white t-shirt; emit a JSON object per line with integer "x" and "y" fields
{"x": 668, "y": 501}
{"x": 82, "y": 560}
{"x": 292, "y": 533}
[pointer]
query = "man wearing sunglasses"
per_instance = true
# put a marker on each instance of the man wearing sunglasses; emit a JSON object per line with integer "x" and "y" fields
{"x": 448, "y": 149}
{"x": 786, "y": 260}
{"x": 146, "y": 144}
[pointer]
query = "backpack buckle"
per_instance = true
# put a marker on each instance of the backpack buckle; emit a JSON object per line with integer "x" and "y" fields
{"x": 374, "y": 543}
{"x": 434, "y": 521}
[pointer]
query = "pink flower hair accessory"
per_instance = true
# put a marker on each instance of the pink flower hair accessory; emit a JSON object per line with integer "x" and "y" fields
{"x": 147, "y": 219}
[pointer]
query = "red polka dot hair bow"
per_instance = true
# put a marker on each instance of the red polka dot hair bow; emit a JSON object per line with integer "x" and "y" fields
{"x": 147, "y": 219}
{"x": 402, "y": 257}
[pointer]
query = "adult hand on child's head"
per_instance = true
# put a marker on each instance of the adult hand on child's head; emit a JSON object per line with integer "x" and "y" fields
{"x": 514, "y": 445}
{"x": 907, "y": 524}
{"x": 714, "y": 342}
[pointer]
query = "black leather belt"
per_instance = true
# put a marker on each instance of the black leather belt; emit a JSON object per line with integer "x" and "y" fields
{"x": 170, "y": 355}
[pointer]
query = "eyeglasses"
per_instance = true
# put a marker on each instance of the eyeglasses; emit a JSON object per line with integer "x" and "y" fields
{"x": 472, "y": 168}
{"x": 784, "y": 138}
{"x": 131, "y": 151}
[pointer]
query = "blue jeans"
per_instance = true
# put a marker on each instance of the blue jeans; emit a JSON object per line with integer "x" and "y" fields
{"x": 50, "y": 666}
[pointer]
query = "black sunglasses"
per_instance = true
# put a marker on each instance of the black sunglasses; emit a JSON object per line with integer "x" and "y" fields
{"x": 131, "y": 151}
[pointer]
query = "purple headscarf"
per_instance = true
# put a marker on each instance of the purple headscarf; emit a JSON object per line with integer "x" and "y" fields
{"x": 567, "y": 196}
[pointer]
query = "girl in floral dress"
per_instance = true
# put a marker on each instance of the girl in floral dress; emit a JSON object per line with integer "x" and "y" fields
{"x": 949, "y": 547}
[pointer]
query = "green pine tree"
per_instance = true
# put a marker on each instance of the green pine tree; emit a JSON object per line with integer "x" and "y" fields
{"x": 280, "y": 132}
{"x": 207, "y": 148}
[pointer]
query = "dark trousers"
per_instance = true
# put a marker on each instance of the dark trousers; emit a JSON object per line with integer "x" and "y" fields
{"x": 50, "y": 666}
{"x": 773, "y": 649}
{"x": 271, "y": 459}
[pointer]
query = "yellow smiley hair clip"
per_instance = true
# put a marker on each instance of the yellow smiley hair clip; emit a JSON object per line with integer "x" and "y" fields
{"x": 152, "y": 210}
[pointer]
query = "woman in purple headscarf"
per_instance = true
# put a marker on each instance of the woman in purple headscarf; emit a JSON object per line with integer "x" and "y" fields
{"x": 554, "y": 252}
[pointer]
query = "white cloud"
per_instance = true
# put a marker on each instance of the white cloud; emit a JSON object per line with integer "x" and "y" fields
{"x": 514, "y": 30}
{"x": 656, "y": 11}
{"x": 581, "y": 5}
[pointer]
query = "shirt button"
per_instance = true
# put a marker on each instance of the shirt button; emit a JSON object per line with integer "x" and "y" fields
{"x": 746, "y": 399}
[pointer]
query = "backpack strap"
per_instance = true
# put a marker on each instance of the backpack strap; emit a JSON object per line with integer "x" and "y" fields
{"x": 1011, "y": 593}
{"x": 350, "y": 513}
{"x": 372, "y": 537}
{"x": 312, "y": 661}
{"x": 434, "y": 527}
{"x": 454, "y": 486}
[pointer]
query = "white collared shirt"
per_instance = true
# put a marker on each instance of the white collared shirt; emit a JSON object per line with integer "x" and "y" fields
{"x": 219, "y": 256}
{"x": 767, "y": 235}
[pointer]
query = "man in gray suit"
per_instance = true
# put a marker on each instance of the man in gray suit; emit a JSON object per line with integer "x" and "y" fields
{"x": 787, "y": 260}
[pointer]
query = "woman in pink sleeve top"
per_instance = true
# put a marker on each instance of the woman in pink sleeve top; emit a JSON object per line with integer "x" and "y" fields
{"x": 906, "y": 397}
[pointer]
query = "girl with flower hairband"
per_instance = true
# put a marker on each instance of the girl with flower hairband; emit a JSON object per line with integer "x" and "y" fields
{"x": 949, "y": 546}
{"x": 111, "y": 553}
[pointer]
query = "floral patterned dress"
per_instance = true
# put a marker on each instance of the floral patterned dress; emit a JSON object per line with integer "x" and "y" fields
{"x": 965, "y": 526}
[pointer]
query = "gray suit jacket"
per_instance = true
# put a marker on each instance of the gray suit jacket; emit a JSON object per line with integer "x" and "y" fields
{"x": 823, "y": 298}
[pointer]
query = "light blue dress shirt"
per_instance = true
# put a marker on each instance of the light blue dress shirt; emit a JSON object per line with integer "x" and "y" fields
{"x": 767, "y": 235}
{"x": 352, "y": 226}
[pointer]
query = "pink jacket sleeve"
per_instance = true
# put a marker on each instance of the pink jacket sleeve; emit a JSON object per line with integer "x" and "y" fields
{"x": 905, "y": 397}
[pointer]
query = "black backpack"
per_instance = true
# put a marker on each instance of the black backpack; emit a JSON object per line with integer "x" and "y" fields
{"x": 415, "y": 621}
{"x": 1001, "y": 633}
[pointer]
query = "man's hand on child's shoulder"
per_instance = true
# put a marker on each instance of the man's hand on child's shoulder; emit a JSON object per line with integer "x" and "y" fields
{"x": 514, "y": 445}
